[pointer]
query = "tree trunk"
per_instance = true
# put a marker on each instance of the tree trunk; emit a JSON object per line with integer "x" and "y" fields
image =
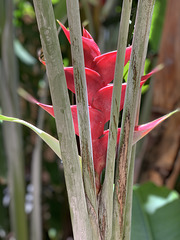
{"x": 162, "y": 159}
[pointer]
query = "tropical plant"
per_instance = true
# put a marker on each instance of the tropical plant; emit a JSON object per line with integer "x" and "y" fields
{"x": 100, "y": 208}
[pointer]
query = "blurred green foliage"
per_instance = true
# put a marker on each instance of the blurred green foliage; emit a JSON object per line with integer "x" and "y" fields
{"x": 155, "y": 213}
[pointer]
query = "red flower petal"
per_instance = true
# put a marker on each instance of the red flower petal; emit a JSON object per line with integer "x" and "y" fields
{"x": 29, "y": 98}
{"x": 100, "y": 145}
{"x": 93, "y": 80}
{"x": 86, "y": 34}
{"x": 91, "y": 49}
{"x": 99, "y": 152}
{"x": 99, "y": 157}
{"x": 96, "y": 117}
{"x": 96, "y": 122}
{"x": 155, "y": 70}
{"x": 142, "y": 130}
{"x": 105, "y": 64}
{"x": 66, "y": 32}
{"x": 102, "y": 99}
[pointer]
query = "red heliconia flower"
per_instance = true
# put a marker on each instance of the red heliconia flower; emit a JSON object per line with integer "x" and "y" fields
{"x": 99, "y": 70}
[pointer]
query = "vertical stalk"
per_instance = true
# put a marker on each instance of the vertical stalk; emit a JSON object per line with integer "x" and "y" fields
{"x": 12, "y": 134}
{"x": 106, "y": 203}
{"x": 36, "y": 168}
{"x": 83, "y": 112}
{"x": 36, "y": 215}
{"x": 130, "y": 180}
{"x": 129, "y": 198}
{"x": 63, "y": 117}
{"x": 139, "y": 49}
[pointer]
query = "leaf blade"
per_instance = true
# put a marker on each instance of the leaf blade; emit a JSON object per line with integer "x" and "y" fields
{"x": 52, "y": 142}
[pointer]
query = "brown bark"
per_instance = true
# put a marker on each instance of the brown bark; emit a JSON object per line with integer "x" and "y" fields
{"x": 162, "y": 159}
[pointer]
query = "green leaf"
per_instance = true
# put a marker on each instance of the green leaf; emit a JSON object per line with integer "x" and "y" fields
{"x": 60, "y": 11}
{"x": 54, "y": 1}
{"x": 52, "y": 142}
{"x": 157, "y": 24}
{"x": 125, "y": 72}
{"x": 155, "y": 213}
{"x": 144, "y": 88}
{"x": 147, "y": 65}
{"x": 23, "y": 54}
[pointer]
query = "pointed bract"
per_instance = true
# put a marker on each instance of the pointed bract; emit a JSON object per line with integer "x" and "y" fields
{"x": 86, "y": 34}
{"x": 65, "y": 30}
{"x": 143, "y": 130}
{"x": 102, "y": 99}
{"x": 105, "y": 64}
{"x": 97, "y": 120}
{"x": 90, "y": 48}
{"x": 93, "y": 81}
{"x": 100, "y": 145}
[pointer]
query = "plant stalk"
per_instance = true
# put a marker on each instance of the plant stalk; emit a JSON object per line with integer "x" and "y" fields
{"x": 36, "y": 215}
{"x": 129, "y": 199}
{"x": 139, "y": 49}
{"x": 83, "y": 113}
{"x": 106, "y": 203}
{"x": 130, "y": 181}
{"x": 63, "y": 118}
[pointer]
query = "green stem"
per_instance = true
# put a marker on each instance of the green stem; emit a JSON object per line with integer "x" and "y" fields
{"x": 36, "y": 216}
{"x": 144, "y": 117}
{"x": 83, "y": 113}
{"x": 130, "y": 180}
{"x": 106, "y": 203}
{"x": 139, "y": 49}
{"x": 129, "y": 199}
{"x": 63, "y": 118}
